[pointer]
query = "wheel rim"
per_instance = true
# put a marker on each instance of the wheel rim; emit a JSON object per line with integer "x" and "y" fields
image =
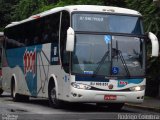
{"x": 14, "y": 93}
{"x": 53, "y": 96}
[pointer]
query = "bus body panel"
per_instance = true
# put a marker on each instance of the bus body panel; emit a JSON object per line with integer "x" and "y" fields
{"x": 98, "y": 96}
{"x": 25, "y": 82}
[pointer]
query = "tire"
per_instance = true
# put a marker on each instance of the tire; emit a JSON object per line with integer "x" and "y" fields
{"x": 13, "y": 92}
{"x": 52, "y": 95}
{"x": 17, "y": 97}
{"x": 14, "y": 95}
{"x": 1, "y": 91}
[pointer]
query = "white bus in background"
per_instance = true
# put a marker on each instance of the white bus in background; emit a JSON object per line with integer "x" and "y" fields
{"x": 81, "y": 53}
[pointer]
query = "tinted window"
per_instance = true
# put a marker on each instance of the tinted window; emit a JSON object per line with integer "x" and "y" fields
{"x": 40, "y": 31}
{"x": 51, "y": 28}
{"x": 14, "y": 37}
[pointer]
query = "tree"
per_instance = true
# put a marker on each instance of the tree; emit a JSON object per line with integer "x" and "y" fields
{"x": 120, "y": 3}
{"x": 4, "y": 13}
{"x": 25, "y": 8}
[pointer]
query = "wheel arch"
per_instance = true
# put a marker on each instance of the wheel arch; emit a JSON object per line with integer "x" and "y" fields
{"x": 53, "y": 79}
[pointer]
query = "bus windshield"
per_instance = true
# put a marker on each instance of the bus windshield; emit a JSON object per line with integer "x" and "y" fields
{"x": 100, "y": 53}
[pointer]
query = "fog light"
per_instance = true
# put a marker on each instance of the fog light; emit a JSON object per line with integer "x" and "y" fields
{"x": 79, "y": 95}
{"x": 74, "y": 95}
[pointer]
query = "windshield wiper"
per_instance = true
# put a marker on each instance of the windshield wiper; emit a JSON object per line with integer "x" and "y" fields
{"x": 119, "y": 53}
{"x": 124, "y": 63}
{"x": 101, "y": 63}
{"x": 114, "y": 53}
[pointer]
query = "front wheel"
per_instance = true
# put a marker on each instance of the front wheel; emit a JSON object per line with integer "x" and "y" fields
{"x": 52, "y": 94}
{"x": 1, "y": 91}
{"x": 17, "y": 97}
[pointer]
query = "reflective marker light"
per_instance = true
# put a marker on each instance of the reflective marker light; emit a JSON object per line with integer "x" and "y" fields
{"x": 80, "y": 86}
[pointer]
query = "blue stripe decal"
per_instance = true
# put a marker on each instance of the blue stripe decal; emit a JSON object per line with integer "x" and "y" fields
{"x": 121, "y": 82}
{"x": 91, "y": 79}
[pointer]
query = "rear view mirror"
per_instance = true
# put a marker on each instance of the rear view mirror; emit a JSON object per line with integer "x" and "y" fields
{"x": 70, "y": 40}
{"x": 155, "y": 44}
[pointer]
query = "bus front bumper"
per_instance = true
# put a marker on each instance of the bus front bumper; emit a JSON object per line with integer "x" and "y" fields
{"x": 90, "y": 96}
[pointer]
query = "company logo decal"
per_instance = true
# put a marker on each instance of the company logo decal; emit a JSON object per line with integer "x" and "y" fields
{"x": 29, "y": 61}
{"x": 123, "y": 82}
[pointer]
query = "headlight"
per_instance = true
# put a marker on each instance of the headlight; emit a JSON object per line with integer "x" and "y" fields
{"x": 137, "y": 88}
{"x": 80, "y": 86}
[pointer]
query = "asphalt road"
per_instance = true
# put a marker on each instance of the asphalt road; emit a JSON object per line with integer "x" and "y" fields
{"x": 38, "y": 109}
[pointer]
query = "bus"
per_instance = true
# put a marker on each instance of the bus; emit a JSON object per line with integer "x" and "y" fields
{"x": 1, "y": 44}
{"x": 78, "y": 54}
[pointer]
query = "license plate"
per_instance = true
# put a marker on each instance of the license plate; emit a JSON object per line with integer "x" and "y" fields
{"x": 110, "y": 97}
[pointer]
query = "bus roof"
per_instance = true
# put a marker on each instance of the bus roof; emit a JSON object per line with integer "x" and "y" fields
{"x": 72, "y": 8}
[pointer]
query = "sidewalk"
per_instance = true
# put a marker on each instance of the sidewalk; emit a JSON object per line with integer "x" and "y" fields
{"x": 149, "y": 103}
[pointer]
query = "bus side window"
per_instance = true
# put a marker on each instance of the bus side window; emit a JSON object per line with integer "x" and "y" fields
{"x": 54, "y": 28}
{"x": 38, "y": 31}
{"x": 64, "y": 27}
{"x": 50, "y": 28}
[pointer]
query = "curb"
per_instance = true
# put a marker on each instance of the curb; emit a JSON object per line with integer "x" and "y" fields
{"x": 143, "y": 107}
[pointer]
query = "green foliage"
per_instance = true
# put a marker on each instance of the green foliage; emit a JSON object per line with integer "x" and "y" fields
{"x": 119, "y": 3}
{"x": 25, "y": 8}
{"x": 79, "y": 2}
{"x": 5, "y": 17}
